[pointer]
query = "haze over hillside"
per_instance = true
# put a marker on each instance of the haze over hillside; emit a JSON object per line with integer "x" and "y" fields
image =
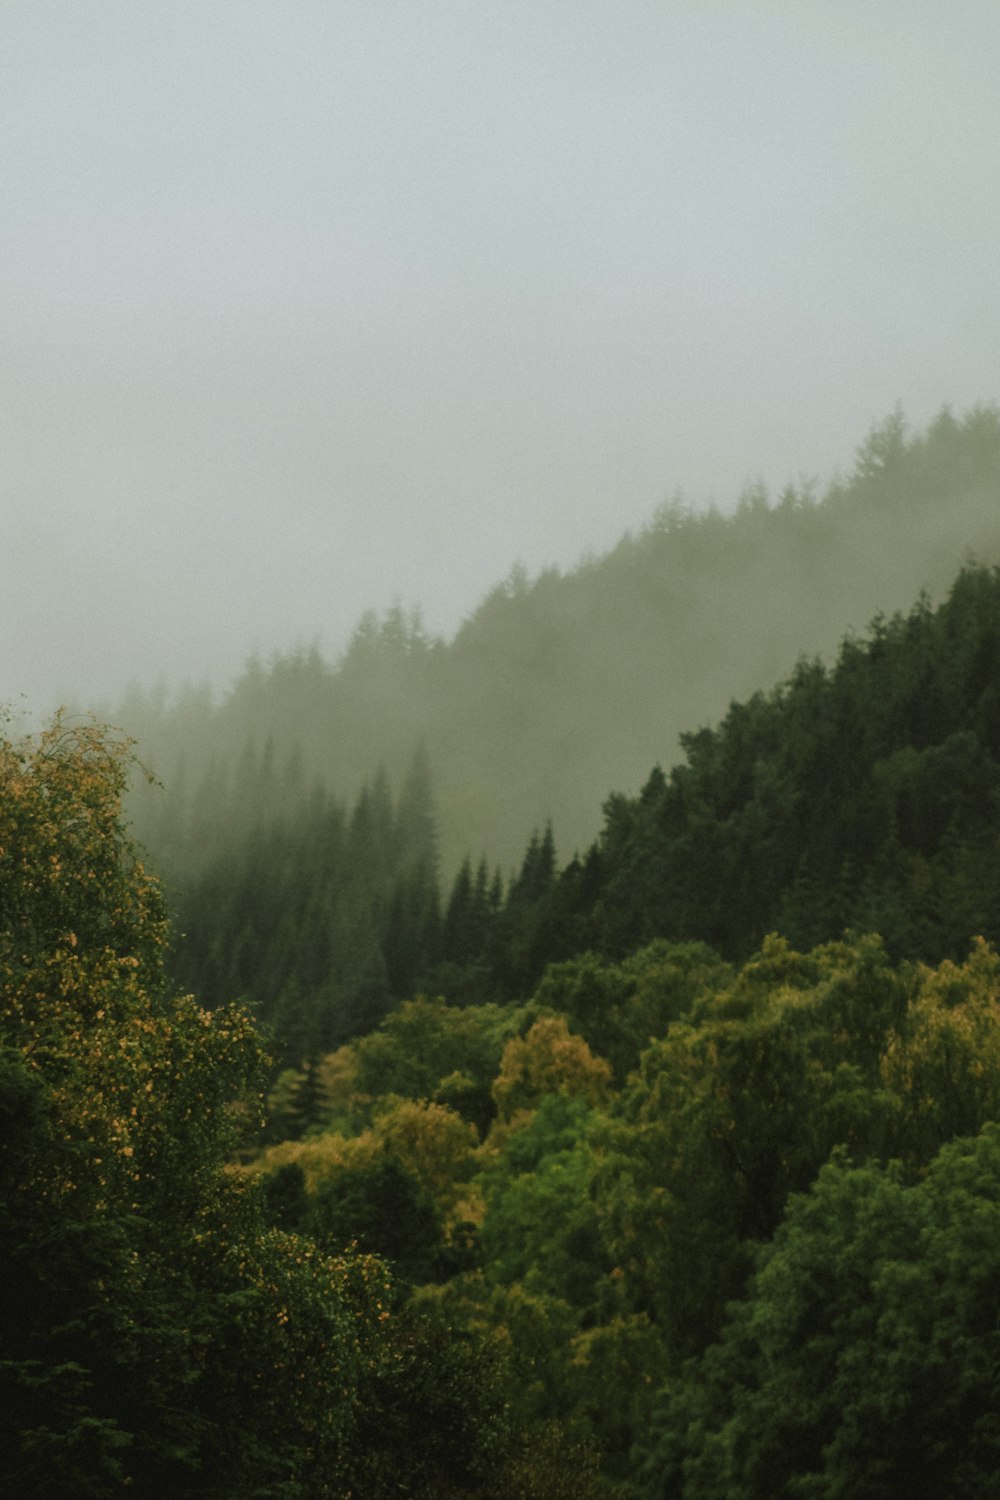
{"x": 308, "y": 307}
{"x": 560, "y": 689}
{"x": 536, "y": 1033}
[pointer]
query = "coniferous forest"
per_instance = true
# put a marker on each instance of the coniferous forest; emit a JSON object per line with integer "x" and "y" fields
{"x": 559, "y": 1062}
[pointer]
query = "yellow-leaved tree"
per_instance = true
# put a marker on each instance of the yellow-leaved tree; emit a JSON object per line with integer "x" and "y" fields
{"x": 549, "y": 1059}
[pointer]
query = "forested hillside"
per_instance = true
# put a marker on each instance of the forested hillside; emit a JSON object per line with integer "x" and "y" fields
{"x": 667, "y": 1227}
{"x": 863, "y": 795}
{"x": 561, "y": 688}
{"x": 161, "y": 1334}
{"x": 667, "y": 1171}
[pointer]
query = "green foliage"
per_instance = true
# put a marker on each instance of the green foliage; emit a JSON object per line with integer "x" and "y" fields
{"x": 619, "y": 1008}
{"x": 944, "y": 1064}
{"x": 316, "y": 917}
{"x": 398, "y": 1188}
{"x": 863, "y": 1361}
{"x": 612, "y": 1241}
{"x": 432, "y": 1141}
{"x": 155, "y": 1335}
{"x": 427, "y": 1049}
{"x": 382, "y": 1208}
{"x": 862, "y": 796}
{"x": 286, "y": 1203}
{"x": 734, "y": 1110}
{"x": 540, "y": 1227}
{"x": 434, "y": 1422}
{"x": 554, "y": 1457}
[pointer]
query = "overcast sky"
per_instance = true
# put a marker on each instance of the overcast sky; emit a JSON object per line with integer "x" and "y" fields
{"x": 310, "y": 305}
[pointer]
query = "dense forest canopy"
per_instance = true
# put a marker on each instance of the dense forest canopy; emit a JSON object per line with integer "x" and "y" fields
{"x": 671, "y": 1226}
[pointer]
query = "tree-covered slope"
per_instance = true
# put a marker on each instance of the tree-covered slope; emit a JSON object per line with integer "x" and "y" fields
{"x": 160, "y": 1334}
{"x": 558, "y": 688}
{"x": 863, "y": 795}
{"x": 866, "y": 794}
{"x": 670, "y": 1227}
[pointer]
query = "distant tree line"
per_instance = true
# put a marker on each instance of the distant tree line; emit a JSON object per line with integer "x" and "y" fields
{"x": 558, "y": 688}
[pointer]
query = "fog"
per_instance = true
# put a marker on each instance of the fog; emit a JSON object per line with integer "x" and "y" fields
{"x": 308, "y": 307}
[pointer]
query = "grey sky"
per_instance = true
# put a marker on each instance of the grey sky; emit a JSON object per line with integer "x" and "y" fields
{"x": 305, "y": 306}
